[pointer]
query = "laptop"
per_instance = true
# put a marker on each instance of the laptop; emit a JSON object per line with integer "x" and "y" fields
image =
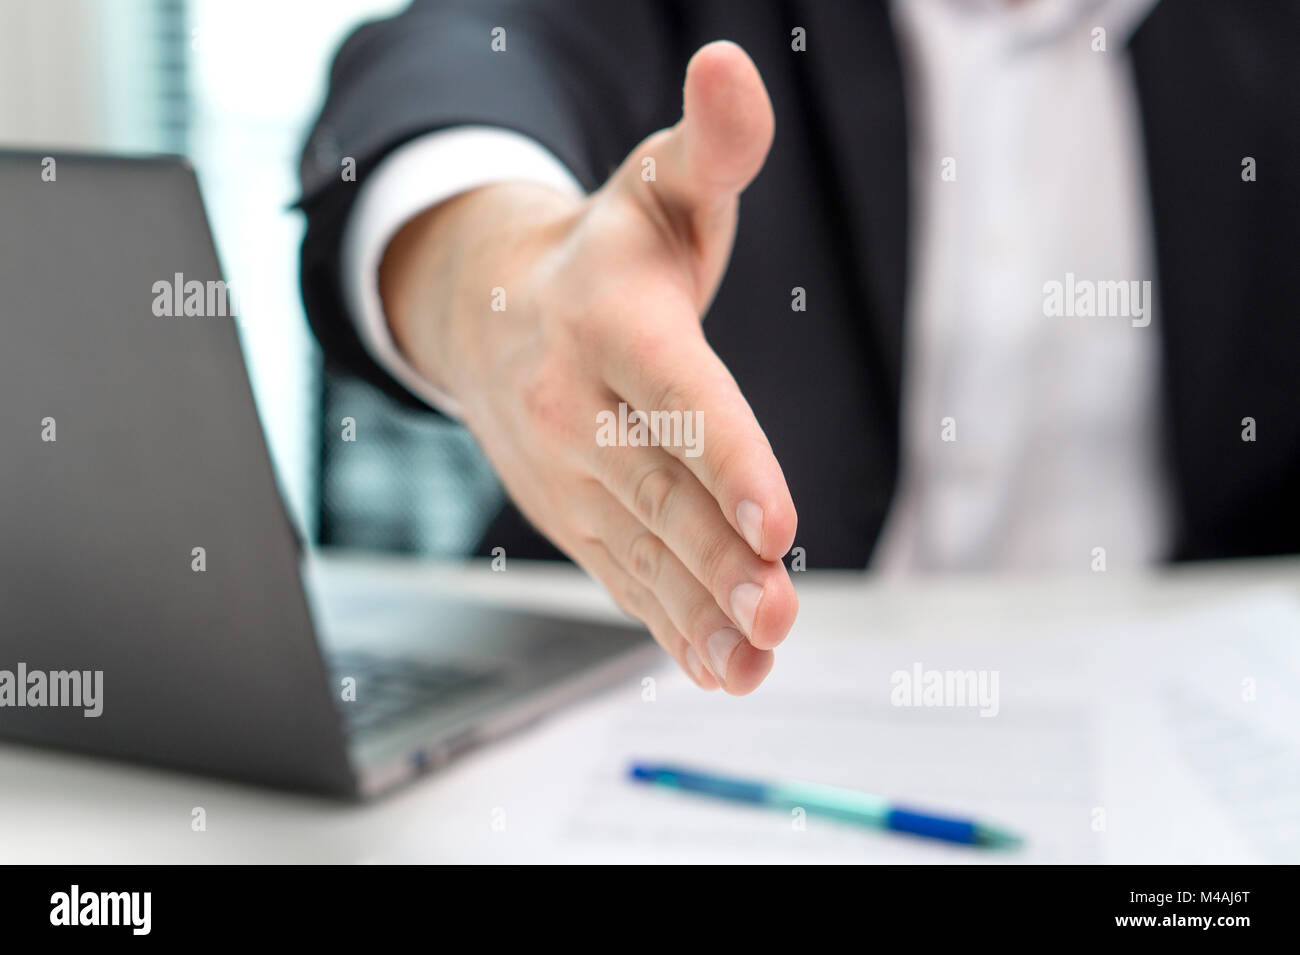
{"x": 147, "y": 558}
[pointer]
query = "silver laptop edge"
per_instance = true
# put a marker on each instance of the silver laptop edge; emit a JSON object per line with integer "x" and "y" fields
{"x": 143, "y": 536}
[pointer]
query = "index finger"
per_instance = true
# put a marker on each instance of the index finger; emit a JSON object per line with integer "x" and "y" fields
{"x": 681, "y": 397}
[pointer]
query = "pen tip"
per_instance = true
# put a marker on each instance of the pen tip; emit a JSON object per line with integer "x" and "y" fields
{"x": 994, "y": 838}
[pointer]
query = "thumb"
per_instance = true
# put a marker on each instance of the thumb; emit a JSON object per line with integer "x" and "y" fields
{"x": 723, "y": 137}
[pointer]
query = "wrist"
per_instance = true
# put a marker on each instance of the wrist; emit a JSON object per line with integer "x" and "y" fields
{"x": 452, "y": 269}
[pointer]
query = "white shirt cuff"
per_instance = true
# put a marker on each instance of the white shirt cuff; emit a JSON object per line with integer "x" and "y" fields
{"x": 414, "y": 177}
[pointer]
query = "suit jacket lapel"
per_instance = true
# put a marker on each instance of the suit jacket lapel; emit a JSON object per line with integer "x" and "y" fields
{"x": 864, "y": 149}
{"x": 1208, "y": 99}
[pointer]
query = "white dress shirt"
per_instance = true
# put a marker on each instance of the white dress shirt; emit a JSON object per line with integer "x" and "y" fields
{"x": 1055, "y": 419}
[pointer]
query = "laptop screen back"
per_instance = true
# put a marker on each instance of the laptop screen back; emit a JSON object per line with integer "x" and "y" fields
{"x": 142, "y": 535}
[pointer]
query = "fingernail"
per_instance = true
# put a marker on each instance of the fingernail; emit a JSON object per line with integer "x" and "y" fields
{"x": 744, "y": 604}
{"x": 750, "y": 518}
{"x": 694, "y": 663}
{"x": 720, "y": 644}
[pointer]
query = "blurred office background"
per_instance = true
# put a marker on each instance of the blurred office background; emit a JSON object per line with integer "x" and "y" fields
{"x": 233, "y": 85}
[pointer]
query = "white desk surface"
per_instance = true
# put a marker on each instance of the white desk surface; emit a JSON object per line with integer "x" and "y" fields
{"x": 523, "y": 799}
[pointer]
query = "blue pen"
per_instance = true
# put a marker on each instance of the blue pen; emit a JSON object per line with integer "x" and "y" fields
{"x": 832, "y": 801}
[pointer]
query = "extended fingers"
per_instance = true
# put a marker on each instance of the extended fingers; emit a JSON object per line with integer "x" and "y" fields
{"x": 636, "y": 599}
{"x": 671, "y": 504}
{"x": 736, "y": 663}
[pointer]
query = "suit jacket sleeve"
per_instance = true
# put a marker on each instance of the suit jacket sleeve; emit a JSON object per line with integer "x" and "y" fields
{"x": 587, "y": 79}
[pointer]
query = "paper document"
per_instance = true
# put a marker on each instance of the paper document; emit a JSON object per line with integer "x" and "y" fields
{"x": 1147, "y": 738}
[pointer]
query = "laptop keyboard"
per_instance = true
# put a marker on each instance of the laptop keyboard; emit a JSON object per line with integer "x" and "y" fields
{"x": 390, "y": 690}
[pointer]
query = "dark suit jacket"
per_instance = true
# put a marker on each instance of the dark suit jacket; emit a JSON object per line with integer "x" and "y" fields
{"x": 1217, "y": 80}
